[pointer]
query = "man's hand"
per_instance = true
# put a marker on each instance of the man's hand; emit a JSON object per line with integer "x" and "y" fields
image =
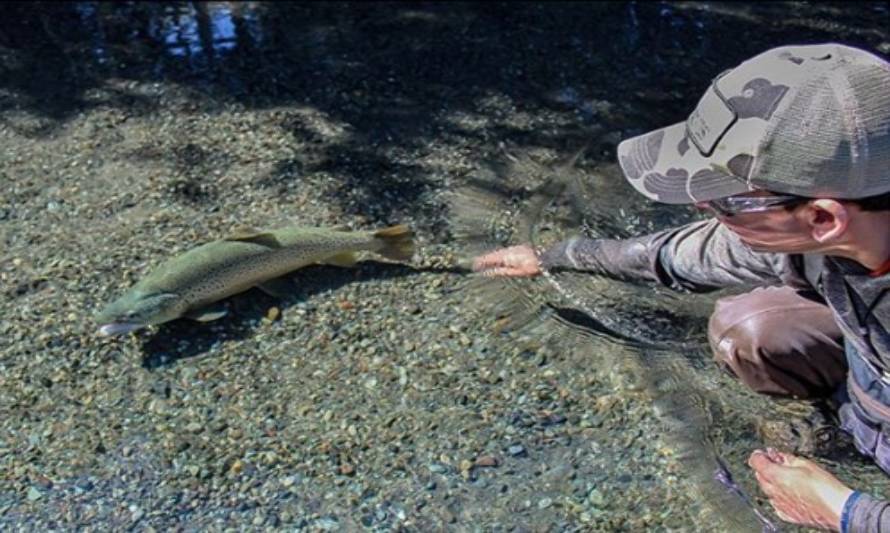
{"x": 799, "y": 490}
{"x": 515, "y": 261}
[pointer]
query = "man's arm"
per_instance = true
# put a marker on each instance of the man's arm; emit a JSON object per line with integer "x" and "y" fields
{"x": 701, "y": 256}
{"x": 865, "y": 514}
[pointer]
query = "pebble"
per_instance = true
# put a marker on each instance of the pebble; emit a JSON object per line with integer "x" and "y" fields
{"x": 136, "y": 513}
{"x": 486, "y": 461}
{"x": 437, "y": 468}
{"x": 596, "y": 498}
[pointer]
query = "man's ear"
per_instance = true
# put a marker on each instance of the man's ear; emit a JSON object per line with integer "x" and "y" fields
{"x": 828, "y": 219}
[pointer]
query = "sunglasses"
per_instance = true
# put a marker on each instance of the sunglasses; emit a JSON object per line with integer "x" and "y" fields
{"x": 735, "y": 205}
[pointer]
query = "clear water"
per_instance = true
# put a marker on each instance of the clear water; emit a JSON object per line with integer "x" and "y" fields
{"x": 398, "y": 80}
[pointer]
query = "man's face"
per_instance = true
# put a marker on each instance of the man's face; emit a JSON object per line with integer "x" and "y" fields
{"x": 773, "y": 229}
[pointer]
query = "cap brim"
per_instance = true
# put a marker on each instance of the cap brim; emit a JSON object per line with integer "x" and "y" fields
{"x": 666, "y": 166}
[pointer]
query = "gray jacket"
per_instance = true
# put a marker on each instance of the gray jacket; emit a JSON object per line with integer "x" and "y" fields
{"x": 705, "y": 256}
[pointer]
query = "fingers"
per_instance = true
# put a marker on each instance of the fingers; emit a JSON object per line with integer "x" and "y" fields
{"x": 487, "y": 261}
{"x": 497, "y": 258}
{"x": 769, "y": 467}
{"x": 512, "y": 261}
{"x": 505, "y": 271}
{"x": 494, "y": 272}
{"x": 761, "y": 461}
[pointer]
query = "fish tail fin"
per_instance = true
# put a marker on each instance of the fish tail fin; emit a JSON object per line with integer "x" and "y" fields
{"x": 396, "y": 242}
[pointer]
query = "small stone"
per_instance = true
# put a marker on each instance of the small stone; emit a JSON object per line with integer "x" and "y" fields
{"x": 545, "y": 503}
{"x": 136, "y": 513}
{"x": 236, "y": 467}
{"x": 517, "y": 450}
{"x": 596, "y": 498}
{"x": 327, "y": 524}
{"x": 347, "y": 469}
{"x": 194, "y": 427}
{"x": 34, "y": 494}
{"x": 272, "y": 314}
{"x": 487, "y": 461}
{"x": 345, "y": 305}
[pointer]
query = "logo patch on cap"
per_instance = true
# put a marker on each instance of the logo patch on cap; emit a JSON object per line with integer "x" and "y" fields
{"x": 711, "y": 119}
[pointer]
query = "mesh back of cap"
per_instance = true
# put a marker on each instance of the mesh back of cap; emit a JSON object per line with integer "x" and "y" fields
{"x": 833, "y": 138}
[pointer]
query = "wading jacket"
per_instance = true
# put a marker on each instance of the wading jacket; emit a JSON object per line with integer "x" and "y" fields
{"x": 705, "y": 256}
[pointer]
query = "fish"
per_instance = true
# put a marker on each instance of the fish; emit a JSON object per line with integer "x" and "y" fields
{"x": 191, "y": 285}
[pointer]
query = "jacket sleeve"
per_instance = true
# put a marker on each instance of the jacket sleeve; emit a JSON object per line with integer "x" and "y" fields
{"x": 868, "y": 515}
{"x": 699, "y": 257}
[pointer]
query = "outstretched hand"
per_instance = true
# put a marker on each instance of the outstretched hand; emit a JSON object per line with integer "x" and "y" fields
{"x": 799, "y": 490}
{"x": 514, "y": 261}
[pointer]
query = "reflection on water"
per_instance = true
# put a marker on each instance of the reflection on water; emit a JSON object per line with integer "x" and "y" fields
{"x": 184, "y": 30}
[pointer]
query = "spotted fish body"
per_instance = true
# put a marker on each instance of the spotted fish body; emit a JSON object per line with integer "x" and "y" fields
{"x": 188, "y": 285}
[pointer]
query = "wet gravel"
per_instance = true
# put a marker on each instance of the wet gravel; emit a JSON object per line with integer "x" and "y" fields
{"x": 374, "y": 398}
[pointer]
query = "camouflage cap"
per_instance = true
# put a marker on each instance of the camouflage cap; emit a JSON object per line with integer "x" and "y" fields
{"x": 807, "y": 120}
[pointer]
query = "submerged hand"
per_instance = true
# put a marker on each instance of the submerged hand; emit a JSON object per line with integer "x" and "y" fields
{"x": 516, "y": 261}
{"x": 799, "y": 490}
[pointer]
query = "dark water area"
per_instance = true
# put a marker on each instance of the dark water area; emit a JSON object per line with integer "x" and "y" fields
{"x": 396, "y": 72}
{"x": 391, "y": 69}
{"x": 376, "y": 400}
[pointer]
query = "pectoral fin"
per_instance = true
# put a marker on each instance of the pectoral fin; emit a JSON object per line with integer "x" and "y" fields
{"x": 247, "y": 234}
{"x": 344, "y": 259}
{"x": 206, "y": 314}
{"x": 278, "y": 287}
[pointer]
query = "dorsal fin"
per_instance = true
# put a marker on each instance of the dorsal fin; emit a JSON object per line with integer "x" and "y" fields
{"x": 248, "y": 234}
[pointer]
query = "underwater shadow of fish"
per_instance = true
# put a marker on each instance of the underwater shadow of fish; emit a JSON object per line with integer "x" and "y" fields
{"x": 184, "y": 338}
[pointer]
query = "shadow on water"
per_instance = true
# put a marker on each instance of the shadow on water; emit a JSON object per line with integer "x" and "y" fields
{"x": 395, "y": 75}
{"x": 182, "y": 339}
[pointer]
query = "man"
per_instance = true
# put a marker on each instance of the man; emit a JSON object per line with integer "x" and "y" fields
{"x": 791, "y": 152}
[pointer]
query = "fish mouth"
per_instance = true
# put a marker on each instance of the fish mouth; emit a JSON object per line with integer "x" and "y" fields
{"x": 118, "y": 328}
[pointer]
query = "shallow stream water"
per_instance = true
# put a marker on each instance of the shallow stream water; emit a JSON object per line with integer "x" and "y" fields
{"x": 382, "y": 397}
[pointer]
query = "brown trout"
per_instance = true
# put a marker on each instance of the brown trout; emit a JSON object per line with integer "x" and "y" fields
{"x": 189, "y": 285}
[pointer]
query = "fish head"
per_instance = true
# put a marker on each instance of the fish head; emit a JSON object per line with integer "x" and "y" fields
{"x": 136, "y": 310}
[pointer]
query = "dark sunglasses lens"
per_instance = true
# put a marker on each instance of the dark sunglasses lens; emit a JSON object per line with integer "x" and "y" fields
{"x": 720, "y": 208}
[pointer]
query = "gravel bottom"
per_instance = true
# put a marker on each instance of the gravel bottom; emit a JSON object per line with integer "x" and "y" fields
{"x": 375, "y": 398}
